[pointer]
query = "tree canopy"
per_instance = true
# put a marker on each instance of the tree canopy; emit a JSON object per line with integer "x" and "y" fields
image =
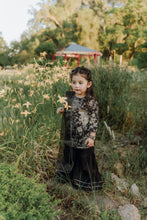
{"x": 114, "y": 27}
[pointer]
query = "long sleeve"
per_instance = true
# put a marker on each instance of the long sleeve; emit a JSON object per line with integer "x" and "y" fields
{"x": 93, "y": 114}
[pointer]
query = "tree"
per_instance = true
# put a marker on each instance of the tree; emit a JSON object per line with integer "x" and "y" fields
{"x": 23, "y": 52}
{"x": 47, "y": 47}
{"x": 124, "y": 25}
{"x": 141, "y": 54}
{"x": 88, "y": 24}
{"x": 134, "y": 20}
{"x": 4, "y": 60}
{"x": 120, "y": 48}
{"x": 52, "y": 15}
{"x": 61, "y": 36}
{"x": 3, "y": 45}
{"x": 3, "y": 52}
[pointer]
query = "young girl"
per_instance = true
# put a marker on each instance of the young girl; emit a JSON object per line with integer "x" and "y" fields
{"x": 76, "y": 160}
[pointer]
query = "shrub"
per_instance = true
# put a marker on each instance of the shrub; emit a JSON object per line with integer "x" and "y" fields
{"x": 22, "y": 197}
{"x": 47, "y": 47}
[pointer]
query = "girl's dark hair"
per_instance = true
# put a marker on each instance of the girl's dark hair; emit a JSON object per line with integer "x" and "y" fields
{"x": 86, "y": 73}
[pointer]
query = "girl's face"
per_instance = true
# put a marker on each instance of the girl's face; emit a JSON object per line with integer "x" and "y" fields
{"x": 80, "y": 85}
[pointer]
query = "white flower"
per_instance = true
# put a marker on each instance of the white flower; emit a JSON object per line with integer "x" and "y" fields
{"x": 17, "y": 105}
{"x": 27, "y": 104}
{"x": 46, "y": 96}
{"x": 2, "y": 93}
{"x": 31, "y": 93}
{"x": 62, "y": 100}
{"x": 66, "y": 105}
{"x": 25, "y": 113}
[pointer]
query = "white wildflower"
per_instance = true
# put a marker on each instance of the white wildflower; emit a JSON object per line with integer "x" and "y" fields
{"x": 46, "y": 96}
{"x": 26, "y": 113}
{"x": 27, "y": 104}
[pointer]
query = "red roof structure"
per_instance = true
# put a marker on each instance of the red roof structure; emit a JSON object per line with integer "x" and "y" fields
{"x": 77, "y": 51}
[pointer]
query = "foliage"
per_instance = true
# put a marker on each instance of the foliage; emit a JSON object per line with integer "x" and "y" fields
{"x": 4, "y": 59}
{"x": 30, "y": 134}
{"x": 120, "y": 48}
{"x": 22, "y": 197}
{"x": 29, "y": 124}
{"x": 2, "y": 44}
{"x": 123, "y": 25}
{"x": 112, "y": 88}
{"x": 141, "y": 60}
{"x": 47, "y": 47}
{"x": 141, "y": 56}
{"x": 137, "y": 107}
{"x": 3, "y": 52}
{"x": 108, "y": 26}
{"x": 87, "y": 27}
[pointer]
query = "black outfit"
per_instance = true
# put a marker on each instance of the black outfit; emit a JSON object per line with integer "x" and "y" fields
{"x": 77, "y": 162}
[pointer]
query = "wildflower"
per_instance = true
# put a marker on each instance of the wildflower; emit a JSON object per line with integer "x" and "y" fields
{"x": 17, "y": 105}
{"x": 42, "y": 84}
{"x": 40, "y": 69}
{"x": 31, "y": 93}
{"x": 27, "y": 77}
{"x": 20, "y": 81}
{"x": 51, "y": 82}
{"x": 15, "y": 66}
{"x": 62, "y": 100}
{"x": 35, "y": 110}
{"x": 2, "y": 93}
{"x": 67, "y": 106}
{"x": 27, "y": 83}
{"x": 46, "y": 96}
{"x": 43, "y": 54}
{"x": 56, "y": 79}
{"x": 20, "y": 89}
{"x": 13, "y": 100}
{"x": 26, "y": 113}
{"x": 27, "y": 104}
{"x": 12, "y": 121}
{"x": 18, "y": 73}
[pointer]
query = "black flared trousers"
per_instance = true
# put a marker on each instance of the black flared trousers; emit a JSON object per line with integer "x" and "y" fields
{"x": 80, "y": 167}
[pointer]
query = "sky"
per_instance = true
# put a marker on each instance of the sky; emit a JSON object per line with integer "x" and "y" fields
{"x": 14, "y": 17}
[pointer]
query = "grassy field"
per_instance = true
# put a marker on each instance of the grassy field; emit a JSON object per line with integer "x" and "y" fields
{"x": 30, "y": 133}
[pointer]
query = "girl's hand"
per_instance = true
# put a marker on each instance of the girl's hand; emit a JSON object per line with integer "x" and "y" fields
{"x": 60, "y": 110}
{"x": 89, "y": 142}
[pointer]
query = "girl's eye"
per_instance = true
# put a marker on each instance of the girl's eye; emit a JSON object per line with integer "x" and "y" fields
{"x": 80, "y": 83}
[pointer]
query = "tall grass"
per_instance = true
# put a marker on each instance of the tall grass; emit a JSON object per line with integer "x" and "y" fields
{"x": 30, "y": 127}
{"x": 29, "y": 123}
{"x": 112, "y": 88}
{"x": 122, "y": 98}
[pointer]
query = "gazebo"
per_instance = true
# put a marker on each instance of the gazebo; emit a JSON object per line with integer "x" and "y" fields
{"x": 77, "y": 51}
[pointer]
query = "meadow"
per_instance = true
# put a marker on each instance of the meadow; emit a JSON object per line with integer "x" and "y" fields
{"x": 30, "y": 135}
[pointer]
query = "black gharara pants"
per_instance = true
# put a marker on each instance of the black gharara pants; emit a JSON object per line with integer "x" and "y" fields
{"x": 80, "y": 167}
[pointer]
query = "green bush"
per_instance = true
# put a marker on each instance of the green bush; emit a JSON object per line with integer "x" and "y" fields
{"x": 112, "y": 86}
{"x": 141, "y": 56}
{"x": 22, "y": 197}
{"x": 47, "y": 47}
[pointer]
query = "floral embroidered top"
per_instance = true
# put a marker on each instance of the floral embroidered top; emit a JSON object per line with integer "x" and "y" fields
{"x": 79, "y": 120}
